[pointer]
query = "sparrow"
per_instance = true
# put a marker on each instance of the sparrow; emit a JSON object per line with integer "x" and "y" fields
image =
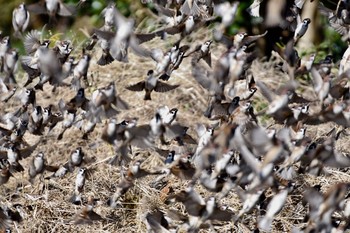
{"x": 134, "y": 172}
{"x": 275, "y": 205}
{"x": 202, "y": 51}
{"x": 5, "y": 220}
{"x": 323, "y": 206}
{"x": 5, "y": 172}
{"x": 322, "y": 85}
{"x": 67, "y": 67}
{"x": 61, "y": 171}
{"x": 20, "y": 19}
{"x": 113, "y": 131}
{"x": 278, "y": 104}
{"x": 78, "y": 101}
{"x": 156, "y": 221}
{"x": 181, "y": 167}
{"x": 301, "y": 29}
{"x": 10, "y": 119}
{"x": 196, "y": 206}
{"x": 122, "y": 38}
{"x": 207, "y": 78}
{"x": 33, "y": 40}
{"x": 78, "y": 158}
{"x": 7, "y": 91}
{"x": 51, "y": 119}
{"x": 87, "y": 215}
{"x": 49, "y": 66}
{"x": 106, "y": 57}
{"x": 62, "y": 50}
{"x": 91, "y": 41}
{"x": 13, "y": 154}
{"x": 81, "y": 70}
{"x": 86, "y": 125}
{"x": 109, "y": 14}
{"x": 221, "y": 110}
{"x": 5, "y": 46}
{"x": 10, "y": 66}
{"x": 35, "y": 125}
{"x": 107, "y": 99}
{"x": 205, "y": 134}
{"x": 165, "y": 67}
{"x": 38, "y": 166}
{"x": 150, "y": 84}
{"x": 79, "y": 186}
{"x": 227, "y": 12}
{"x": 168, "y": 115}
{"x": 190, "y": 24}
{"x": 68, "y": 118}
{"x": 52, "y": 8}
{"x": 163, "y": 60}
{"x": 27, "y": 97}
{"x": 339, "y": 19}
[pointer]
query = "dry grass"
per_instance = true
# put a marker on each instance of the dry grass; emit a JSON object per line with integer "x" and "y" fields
{"x": 45, "y": 204}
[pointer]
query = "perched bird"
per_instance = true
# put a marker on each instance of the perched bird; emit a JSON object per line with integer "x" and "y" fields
{"x": 78, "y": 158}
{"x": 79, "y": 186}
{"x": 150, "y": 84}
{"x": 38, "y": 166}
{"x": 20, "y": 19}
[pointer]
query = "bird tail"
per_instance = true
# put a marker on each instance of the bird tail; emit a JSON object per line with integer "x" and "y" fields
{"x": 147, "y": 96}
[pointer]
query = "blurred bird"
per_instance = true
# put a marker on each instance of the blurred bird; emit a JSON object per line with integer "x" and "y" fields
{"x": 122, "y": 38}
{"x": 134, "y": 171}
{"x": 10, "y": 66}
{"x": 105, "y": 103}
{"x": 301, "y": 29}
{"x": 150, "y": 84}
{"x": 87, "y": 215}
{"x": 27, "y": 97}
{"x": 5, "y": 45}
{"x": 68, "y": 118}
{"x": 52, "y": 8}
{"x": 275, "y": 206}
{"x": 38, "y": 166}
{"x": 203, "y": 51}
{"x": 205, "y": 134}
{"x": 79, "y": 186}
{"x": 81, "y": 70}
{"x": 5, "y": 172}
{"x": 20, "y": 19}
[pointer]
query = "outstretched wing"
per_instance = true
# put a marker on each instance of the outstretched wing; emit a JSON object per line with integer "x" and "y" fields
{"x": 140, "y": 86}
